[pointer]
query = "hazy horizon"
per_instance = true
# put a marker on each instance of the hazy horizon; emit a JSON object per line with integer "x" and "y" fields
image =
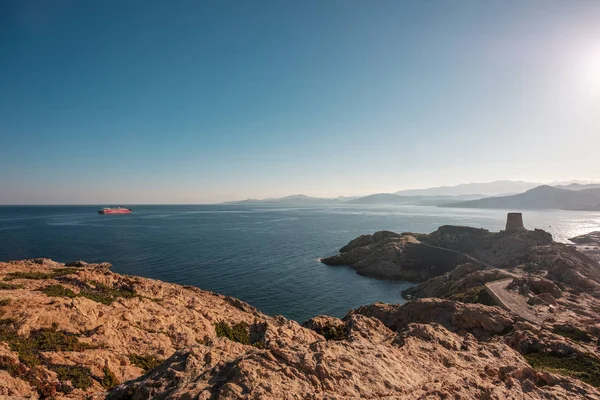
{"x": 204, "y": 102}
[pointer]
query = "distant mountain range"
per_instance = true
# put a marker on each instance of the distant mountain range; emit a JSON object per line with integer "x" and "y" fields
{"x": 541, "y": 197}
{"x": 374, "y": 199}
{"x": 565, "y": 195}
{"x": 485, "y": 189}
{"x": 394, "y": 199}
{"x": 296, "y": 200}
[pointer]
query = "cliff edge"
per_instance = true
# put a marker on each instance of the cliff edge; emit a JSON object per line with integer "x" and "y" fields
{"x": 81, "y": 331}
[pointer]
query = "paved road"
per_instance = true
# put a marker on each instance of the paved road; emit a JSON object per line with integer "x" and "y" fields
{"x": 512, "y": 301}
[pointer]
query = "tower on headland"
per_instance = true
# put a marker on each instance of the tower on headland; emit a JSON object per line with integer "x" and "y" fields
{"x": 514, "y": 222}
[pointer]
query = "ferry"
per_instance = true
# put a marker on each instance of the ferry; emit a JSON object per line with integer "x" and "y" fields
{"x": 114, "y": 210}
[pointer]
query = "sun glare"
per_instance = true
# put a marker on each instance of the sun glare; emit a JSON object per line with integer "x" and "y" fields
{"x": 589, "y": 69}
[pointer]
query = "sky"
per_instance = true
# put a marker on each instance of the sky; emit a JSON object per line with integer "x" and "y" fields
{"x": 206, "y": 101}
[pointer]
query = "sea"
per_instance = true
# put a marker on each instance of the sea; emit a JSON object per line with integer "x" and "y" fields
{"x": 266, "y": 256}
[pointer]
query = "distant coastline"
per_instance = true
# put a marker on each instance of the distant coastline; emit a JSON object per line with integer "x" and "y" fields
{"x": 575, "y": 196}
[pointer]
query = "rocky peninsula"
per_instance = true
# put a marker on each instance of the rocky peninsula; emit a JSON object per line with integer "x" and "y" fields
{"x": 588, "y": 244}
{"x": 78, "y": 330}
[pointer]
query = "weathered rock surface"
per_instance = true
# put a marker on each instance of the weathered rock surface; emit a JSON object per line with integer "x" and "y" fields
{"x": 495, "y": 248}
{"x": 419, "y": 257}
{"x": 419, "y": 361}
{"x": 395, "y": 256}
{"x": 480, "y": 320}
{"x": 460, "y": 281}
{"x": 561, "y": 263}
{"x": 154, "y": 318}
{"x": 105, "y": 323}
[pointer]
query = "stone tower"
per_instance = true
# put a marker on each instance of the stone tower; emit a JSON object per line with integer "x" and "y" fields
{"x": 514, "y": 222}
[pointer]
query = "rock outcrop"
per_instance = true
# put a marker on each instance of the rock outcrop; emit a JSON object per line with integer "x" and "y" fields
{"x": 591, "y": 239}
{"x": 588, "y": 244}
{"x": 464, "y": 280}
{"x": 390, "y": 255}
{"x": 85, "y": 332}
{"x": 494, "y": 248}
{"x": 417, "y": 257}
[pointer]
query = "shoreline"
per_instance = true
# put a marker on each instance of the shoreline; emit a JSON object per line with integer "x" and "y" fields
{"x": 79, "y": 330}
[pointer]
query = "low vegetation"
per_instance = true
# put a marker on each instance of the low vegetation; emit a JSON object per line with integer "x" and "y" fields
{"x": 29, "y": 349}
{"x": 104, "y": 294}
{"x": 332, "y": 332}
{"x": 97, "y": 292}
{"x": 236, "y": 333}
{"x": 4, "y": 302}
{"x": 573, "y": 333}
{"x": 40, "y": 275}
{"x": 146, "y": 362}
{"x": 583, "y": 367}
{"x": 59, "y": 291}
{"x": 240, "y": 333}
{"x": 80, "y": 377}
{"x": 32, "y": 376}
{"x": 9, "y": 286}
{"x": 110, "y": 380}
{"x": 475, "y": 295}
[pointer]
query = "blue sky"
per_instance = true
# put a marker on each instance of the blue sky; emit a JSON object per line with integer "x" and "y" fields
{"x": 205, "y": 101}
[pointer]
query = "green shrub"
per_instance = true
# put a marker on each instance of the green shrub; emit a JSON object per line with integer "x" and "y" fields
{"x": 145, "y": 362}
{"x": 237, "y": 333}
{"x": 8, "y": 286}
{"x": 40, "y": 275}
{"x": 331, "y": 332}
{"x": 45, "y": 339}
{"x": 110, "y": 380}
{"x": 474, "y": 295}
{"x": 573, "y": 333}
{"x": 51, "y": 339}
{"x": 80, "y": 377}
{"x": 583, "y": 367}
{"x": 59, "y": 291}
{"x": 29, "y": 350}
{"x": 4, "y": 302}
{"x": 106, "y": 295}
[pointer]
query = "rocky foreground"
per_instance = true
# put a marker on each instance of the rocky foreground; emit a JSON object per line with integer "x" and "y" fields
{"x": 81, "y": 331}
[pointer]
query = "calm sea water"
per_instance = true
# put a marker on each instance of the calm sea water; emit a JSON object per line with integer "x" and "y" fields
{"x": 267, "y": 256}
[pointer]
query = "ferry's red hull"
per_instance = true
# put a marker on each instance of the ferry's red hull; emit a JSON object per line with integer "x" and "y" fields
{"x": 121, "y": 211}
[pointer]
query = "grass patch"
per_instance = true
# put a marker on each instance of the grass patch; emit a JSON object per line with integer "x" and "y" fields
{"x": 4, "y": 302}
{"x": 40, "y": 275}
{"x": 29, "y": 349}
{"x": 105, "y": 294}
{"x": 110, "y": 380}
{"x": 236, "y": 333}
{"x": 51, "y": 339}
{"x": 573, "y": 333}
{"x": 583, "y": 367}
{"x": 145, "y": 362}
{"x": 44, "y": 339}
{"x": 8, "y": 286}
{"x": 59, "y": 291}
{"x": 475, "y": 295}
{"x": 97, "y": 292}
{"x": 331, "y": 332}
{"x": 80, "y": 377}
